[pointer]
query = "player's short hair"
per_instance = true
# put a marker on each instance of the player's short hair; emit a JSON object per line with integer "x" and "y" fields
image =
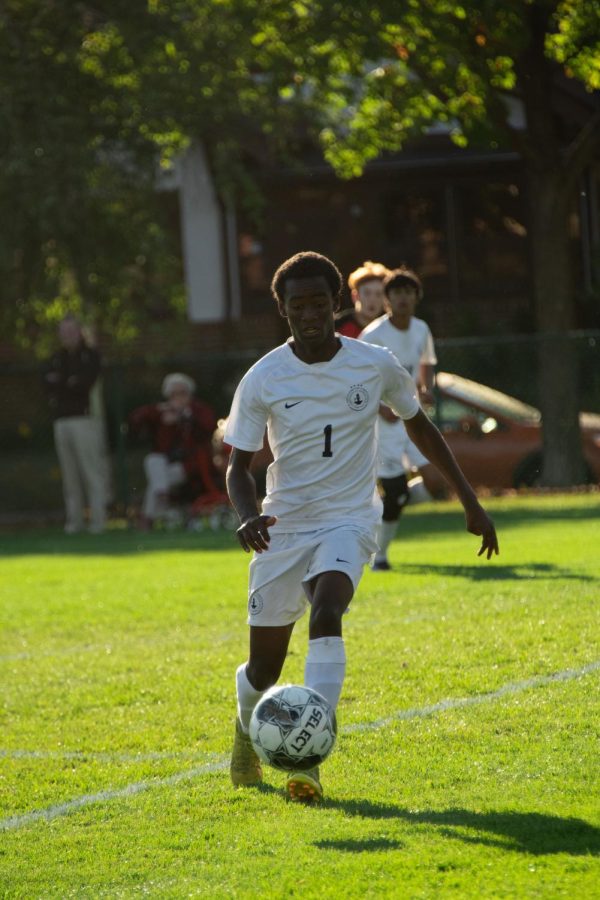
{"x": 369, "y": 271}
{"x": 403, "y": 277}
{"x": 307, "y": 264}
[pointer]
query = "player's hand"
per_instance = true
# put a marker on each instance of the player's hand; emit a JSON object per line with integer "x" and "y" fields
{"x": 426, "y": 397}
{"x": 387, "y": 414}
{"x": 168, "y": 415}
{"x": 253, "y": 534}
{"x": 478, "y": 522}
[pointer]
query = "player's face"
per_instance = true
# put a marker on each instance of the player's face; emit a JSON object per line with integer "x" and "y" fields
{"x": 309, "y": 306}
{"x": 401, "y": 301}
{"x": 369, "y": 299}
{"x": 179, "y": 397}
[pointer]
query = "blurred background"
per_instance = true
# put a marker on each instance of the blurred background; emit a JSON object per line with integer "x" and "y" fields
{"x": 159, "y": 161}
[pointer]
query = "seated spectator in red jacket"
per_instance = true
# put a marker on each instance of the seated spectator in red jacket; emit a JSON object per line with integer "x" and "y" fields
{"x": 181, "y": 430}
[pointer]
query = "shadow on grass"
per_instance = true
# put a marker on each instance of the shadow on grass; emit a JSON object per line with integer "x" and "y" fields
{"x": 523, "y": 832}
{"x": 447, "y": 516}
{"x": 538, "y": 571}
{"x": 437, "y": 519}
{"x": 117, "y": 542}
{"x": 368, "y": 845}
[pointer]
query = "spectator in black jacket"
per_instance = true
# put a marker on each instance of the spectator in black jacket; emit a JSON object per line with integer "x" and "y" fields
{"x": 69, "y": 377}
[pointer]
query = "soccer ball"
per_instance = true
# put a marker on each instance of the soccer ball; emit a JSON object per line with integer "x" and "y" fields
{"x": 293, "y": 727}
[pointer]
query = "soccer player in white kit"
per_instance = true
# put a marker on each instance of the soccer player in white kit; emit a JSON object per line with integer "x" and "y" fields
{"x": 411, "y": 342}
{"x": 318, "y": 395}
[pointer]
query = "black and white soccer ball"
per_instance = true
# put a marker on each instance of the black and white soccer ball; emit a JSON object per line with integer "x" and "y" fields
{"x": 293, "y": 728}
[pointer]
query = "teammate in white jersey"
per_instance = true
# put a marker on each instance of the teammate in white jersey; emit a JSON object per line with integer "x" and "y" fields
{"x": 411, "y": 342}
{"x": 319, "y": 396}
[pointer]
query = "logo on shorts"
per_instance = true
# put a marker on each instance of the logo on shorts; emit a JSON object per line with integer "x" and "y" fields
{"x": 255, "y": 604}
{"x": 357, "y": 397}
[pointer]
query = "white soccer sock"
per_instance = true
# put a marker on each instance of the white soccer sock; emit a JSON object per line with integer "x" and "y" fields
{"x": 325, "y": 667}
{"x": 247, "y": 697}
{"x": 384, "y": 537}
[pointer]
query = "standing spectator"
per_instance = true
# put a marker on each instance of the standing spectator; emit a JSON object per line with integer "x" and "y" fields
{"x": 411, "y": 342}
{"x": 366, "y": 290}
{"x": 69, "y": 377}
{"x": 181, "y": 430}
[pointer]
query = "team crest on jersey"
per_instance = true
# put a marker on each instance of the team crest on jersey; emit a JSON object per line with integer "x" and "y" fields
{"x": 357, "y": 397}
{"x": 255, "y": 604}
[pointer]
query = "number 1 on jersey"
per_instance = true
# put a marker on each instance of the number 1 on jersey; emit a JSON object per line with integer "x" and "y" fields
{"x": 327, "y": 432}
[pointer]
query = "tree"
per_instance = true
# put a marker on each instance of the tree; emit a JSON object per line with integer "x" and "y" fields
{"x": 435, "y": 60}
{"x": 97, "y": 99}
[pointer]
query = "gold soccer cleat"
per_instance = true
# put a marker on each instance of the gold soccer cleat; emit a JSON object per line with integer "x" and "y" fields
{"x": 245, "y": 768}
{"x": 305, "y": 787}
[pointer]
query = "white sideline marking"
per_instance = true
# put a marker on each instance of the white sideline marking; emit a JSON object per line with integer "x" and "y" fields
{"x": 74, "y": 650}
{"x": 63, "y": 809}
{"x": 476, "y": 699}
{"x": 105, "y": 756}
{"x": 61, "y": 651}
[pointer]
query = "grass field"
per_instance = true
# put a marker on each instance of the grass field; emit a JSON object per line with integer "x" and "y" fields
{"x": 468, "y": 758}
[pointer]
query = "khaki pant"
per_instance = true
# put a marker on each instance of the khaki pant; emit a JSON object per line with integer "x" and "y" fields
{"x": 79, "y": 447}
{"x": 161, "y": 476}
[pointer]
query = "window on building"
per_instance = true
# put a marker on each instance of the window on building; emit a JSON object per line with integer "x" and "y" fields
{"x": 492, "y": 251}
{"x": 416, "y": 234}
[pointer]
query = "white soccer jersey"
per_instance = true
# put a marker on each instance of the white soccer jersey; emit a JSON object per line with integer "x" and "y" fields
{"x": 321, "y": 421}
{"x": 411, "y": 348}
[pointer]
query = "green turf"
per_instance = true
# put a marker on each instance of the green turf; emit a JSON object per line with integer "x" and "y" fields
{"x": 117, "y": 662}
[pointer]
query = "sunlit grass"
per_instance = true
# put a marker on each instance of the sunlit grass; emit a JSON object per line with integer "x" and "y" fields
{"x": 117, "y": 660}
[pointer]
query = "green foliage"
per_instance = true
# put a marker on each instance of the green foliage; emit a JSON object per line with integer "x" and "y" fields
{"x": 98, "y": 101}
{"x": 470, "y": 59}
{"x": 118, "y": 656}
{"x": 575, "y": 41}
{"x": 87, "y": 230}
{"x": 97, "y": 104}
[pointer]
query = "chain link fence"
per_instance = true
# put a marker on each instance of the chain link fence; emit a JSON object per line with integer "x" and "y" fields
{"x": 30, "y": 482}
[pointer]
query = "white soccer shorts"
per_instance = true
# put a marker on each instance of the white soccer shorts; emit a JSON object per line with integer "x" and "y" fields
{"x": 396, "y": 452}
{"x": 278, "y": 592}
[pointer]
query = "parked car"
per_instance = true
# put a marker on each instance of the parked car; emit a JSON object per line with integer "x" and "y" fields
{"x": 496, "y": 438}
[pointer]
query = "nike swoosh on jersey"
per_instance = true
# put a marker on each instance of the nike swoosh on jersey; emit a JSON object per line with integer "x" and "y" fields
{"x": 337, "y": 559}
{"x": 289, "y": 405}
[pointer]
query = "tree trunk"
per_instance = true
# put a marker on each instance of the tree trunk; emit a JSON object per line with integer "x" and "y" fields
{"x": 563, "y": 463}
{"x": 550, "y": 184}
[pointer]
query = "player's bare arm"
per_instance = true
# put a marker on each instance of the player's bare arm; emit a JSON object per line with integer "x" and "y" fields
{"x": 428, "y": 439}
{"x": 426, "y": 382}
{"x": 253, "y": 533}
